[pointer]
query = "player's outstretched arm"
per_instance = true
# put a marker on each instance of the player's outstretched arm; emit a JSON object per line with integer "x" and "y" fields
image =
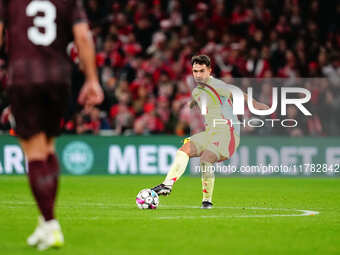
{"x": 257, "y": 105}
{"x": 91, "y": 92}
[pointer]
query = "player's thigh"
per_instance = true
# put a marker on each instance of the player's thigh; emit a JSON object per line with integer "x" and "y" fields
{"x": 200, "y": 141}
{"x": 209, "y": 156}
{"x": 224, "y": 144}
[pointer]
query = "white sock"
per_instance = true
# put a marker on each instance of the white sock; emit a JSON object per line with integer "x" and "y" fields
{"x": 177, "y": 168}
{"x": 208, "y": 181}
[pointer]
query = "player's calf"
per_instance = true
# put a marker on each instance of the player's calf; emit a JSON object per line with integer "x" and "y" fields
{"x": 177, "y": 168}
{"x": 208, "y": 178}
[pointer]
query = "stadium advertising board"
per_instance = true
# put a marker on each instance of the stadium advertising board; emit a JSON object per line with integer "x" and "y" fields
{"x": 92, "y": 155}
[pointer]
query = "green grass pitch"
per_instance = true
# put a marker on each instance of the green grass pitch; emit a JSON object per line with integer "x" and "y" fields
{"x": 98, "y": 215}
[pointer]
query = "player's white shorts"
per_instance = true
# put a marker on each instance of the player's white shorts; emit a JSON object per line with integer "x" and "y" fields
{"x": 222, "y": 142}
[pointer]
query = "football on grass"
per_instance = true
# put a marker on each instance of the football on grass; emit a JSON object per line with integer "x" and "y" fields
{"x": 147, "y": 199}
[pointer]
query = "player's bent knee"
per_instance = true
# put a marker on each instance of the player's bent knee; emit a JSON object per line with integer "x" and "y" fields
{"x": 35, "y": 148}
{"x": 185, "y": 149}
{"x": 208, "y": 156}
{"x": 189, "y": 148}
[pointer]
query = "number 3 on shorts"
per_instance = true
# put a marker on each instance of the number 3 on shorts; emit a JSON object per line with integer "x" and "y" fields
{"x": 47, "y": 22}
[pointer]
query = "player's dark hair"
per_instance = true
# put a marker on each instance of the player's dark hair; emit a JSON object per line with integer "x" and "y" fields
{"x": 201, "y": 60}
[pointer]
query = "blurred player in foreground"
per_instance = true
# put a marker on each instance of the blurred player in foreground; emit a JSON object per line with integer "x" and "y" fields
{"x": 217, "y": 142}
{"x": 39, "y": 82}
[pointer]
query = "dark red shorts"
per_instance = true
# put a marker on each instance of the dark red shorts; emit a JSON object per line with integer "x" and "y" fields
{"x": 38, "y": 108}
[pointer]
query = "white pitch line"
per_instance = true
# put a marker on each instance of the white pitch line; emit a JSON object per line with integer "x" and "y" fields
{"x": 17, "y": 204}
{"x": 304, "y": 213}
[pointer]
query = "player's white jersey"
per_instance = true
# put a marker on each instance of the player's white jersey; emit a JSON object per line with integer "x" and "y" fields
{"x": 219, "y": 104}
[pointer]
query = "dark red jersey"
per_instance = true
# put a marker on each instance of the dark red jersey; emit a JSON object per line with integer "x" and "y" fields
{"x": 38, "y": 32}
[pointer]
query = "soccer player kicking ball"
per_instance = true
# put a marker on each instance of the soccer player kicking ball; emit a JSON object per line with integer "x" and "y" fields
{"x": 217, "y": 142}
{"x": 39, "y": 81}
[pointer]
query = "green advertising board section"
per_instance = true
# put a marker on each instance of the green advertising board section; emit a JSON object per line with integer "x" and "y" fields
{"x": 81, "y": 155}
{"x": 154, "y": 154}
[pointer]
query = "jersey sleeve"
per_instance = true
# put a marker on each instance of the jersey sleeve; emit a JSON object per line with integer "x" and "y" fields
{"x": 78, "y": 14}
